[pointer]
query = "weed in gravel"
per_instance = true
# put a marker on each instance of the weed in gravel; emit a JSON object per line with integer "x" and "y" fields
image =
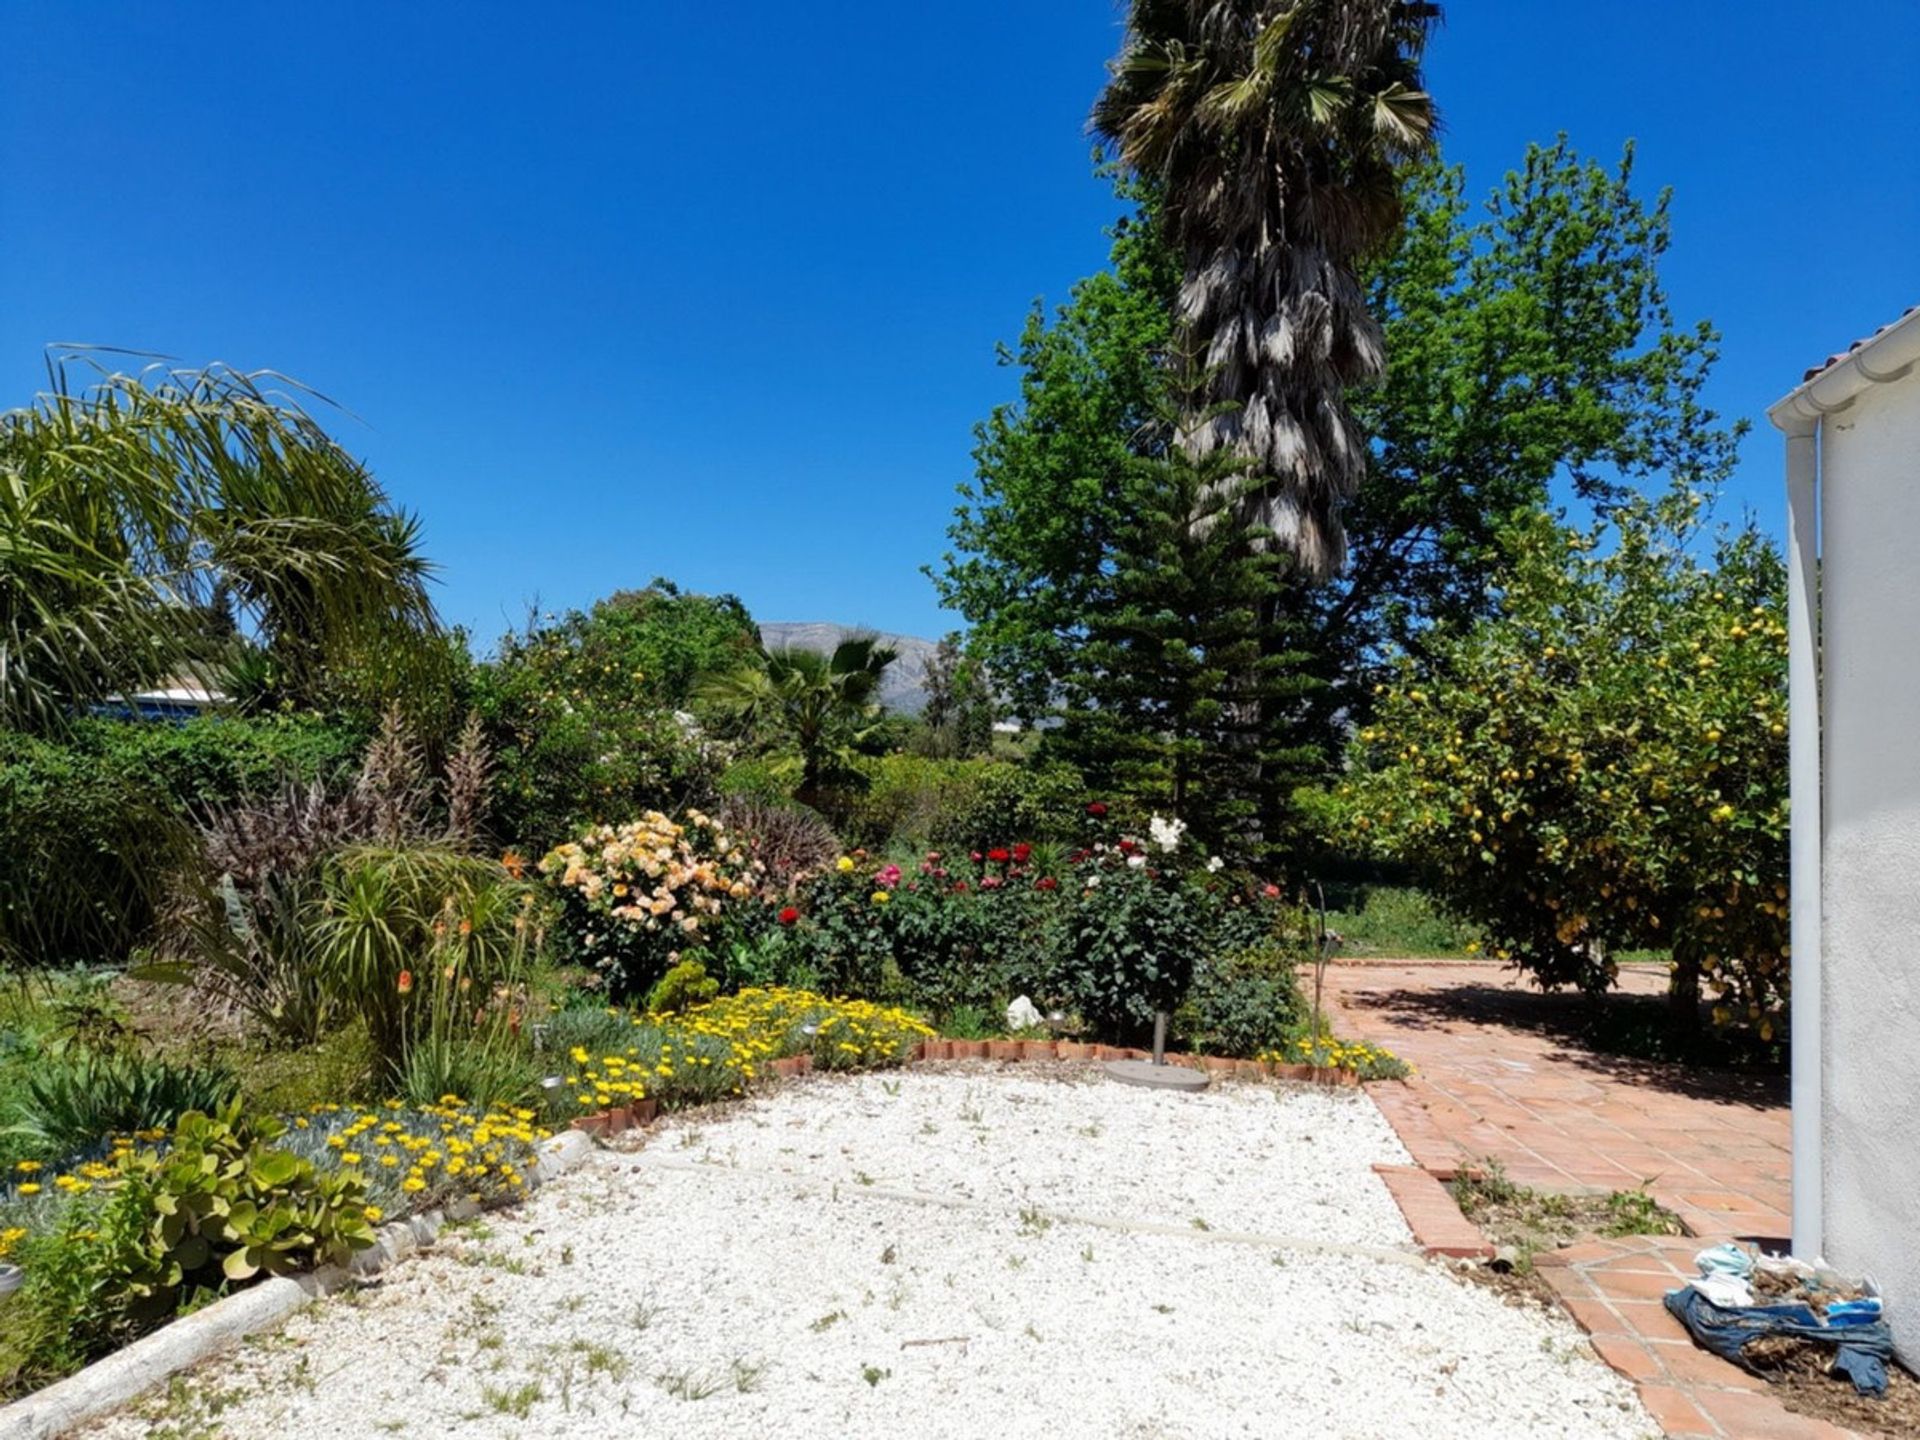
{"x": 1034, "y": 1220}
{"x": 1086, "y": 1253}
{"x": 1199, "y": 1224}
{"x": 688, "y": 1384}
{"x": 827, "y": 1321}
{"x": 873, "y": 1374}
{"x": 517, "y": 1402}
{"x": 645, "y": 1311}
{"x": 746, "y": 1375}
{"x": 601, "y": 1359}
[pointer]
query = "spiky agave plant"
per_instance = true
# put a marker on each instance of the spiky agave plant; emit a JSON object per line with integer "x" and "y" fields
{"x": 1273, "y": 130}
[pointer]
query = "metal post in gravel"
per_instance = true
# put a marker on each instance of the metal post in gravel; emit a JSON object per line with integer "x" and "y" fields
{"x": 1156, "y": 1073}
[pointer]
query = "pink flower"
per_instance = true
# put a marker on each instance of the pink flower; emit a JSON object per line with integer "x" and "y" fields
{"x": 990, "y": 882}
{"x": 887, "y": 876}
{"x": 1272, "y": 892}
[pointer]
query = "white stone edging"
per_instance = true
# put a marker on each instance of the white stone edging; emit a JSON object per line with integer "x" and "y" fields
{"x": 114, "y": 1380}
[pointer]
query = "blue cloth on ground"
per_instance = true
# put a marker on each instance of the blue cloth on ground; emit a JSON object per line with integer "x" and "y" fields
{"x": 1862, "y": 1349}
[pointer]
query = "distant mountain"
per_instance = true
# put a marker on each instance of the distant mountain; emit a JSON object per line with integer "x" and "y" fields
{"x": 904, "y": 687}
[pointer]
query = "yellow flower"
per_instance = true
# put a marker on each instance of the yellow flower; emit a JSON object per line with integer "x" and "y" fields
{"x": 29, "y": 1188}
{"x": 881, "y": 897}
{"x": 844, "y": 864}
{"x": 27, "y": 1167}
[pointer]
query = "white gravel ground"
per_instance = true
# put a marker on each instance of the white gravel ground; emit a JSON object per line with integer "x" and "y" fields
{"x": 941, "y": 1255}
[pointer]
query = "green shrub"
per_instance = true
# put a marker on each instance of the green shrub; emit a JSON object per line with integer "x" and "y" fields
{"x": 1399, "y": 920}
{"x": 484, "y": 1064}
{"x": 337, "y": 1068}
{"x": 580, "y": 711}
{"x": 1129, "y": 949}
{"x": 79, "y": 1100}
{"x": 681, "y": 988}
{"x": 1242, "y": 1003}
{"x": 94, "y": 818}
{"x": 964, "y": 804}
{"x": 406, "y": 937}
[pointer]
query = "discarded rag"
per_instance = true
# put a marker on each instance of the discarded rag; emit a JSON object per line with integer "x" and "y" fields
{"x": 1860, "y": 1350}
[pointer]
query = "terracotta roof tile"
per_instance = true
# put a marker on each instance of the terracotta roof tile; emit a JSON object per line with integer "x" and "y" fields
{"x": 1833, "y": 360}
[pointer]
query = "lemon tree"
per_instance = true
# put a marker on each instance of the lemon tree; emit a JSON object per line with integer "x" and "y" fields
{"x": 1601, "y": 763}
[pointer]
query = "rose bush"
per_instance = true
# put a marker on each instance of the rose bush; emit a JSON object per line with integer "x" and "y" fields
{"x": 635, "y": 896}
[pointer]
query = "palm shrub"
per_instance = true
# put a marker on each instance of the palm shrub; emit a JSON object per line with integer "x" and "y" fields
{"x": 144, "y": 512}
{"x": 422, "y": 942}
{"x": 824, "y": 705}
{"x": 242, "y": 921}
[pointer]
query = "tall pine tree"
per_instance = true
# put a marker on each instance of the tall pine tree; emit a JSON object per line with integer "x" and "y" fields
{"x": 1184, "y": 662}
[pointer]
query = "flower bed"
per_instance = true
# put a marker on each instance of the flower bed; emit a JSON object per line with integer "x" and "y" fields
{"x": 715, "y": 1051}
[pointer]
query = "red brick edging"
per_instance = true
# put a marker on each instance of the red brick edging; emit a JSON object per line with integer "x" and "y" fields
{"x": 1439, "y": 1228}
{"x": 638, "y": 1116}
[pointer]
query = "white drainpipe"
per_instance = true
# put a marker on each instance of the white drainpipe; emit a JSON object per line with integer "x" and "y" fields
{"x": 1887, "y": 356}
{"x": 1803, "y": 769}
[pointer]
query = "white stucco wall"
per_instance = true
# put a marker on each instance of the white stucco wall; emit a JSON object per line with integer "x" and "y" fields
{"x": 1870, "y": 627}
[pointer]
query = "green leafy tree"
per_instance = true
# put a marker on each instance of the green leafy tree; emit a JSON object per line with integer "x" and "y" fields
{"x": 1529, "y": 348}
{"x": 582, "y": 710}
{"x": 823, "y": 705}
{"x": 958, "y": 719}
{"x": 1273, "y": 130}
{"x": 671, "y": 637}
{"x": 1600, "y": 763}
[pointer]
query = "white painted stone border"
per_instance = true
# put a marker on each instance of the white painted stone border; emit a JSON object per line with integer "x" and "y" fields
{"x": 116, "y": 1379}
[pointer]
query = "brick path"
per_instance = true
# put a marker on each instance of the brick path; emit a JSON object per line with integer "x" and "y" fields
{"x": 1497, "y": 1075}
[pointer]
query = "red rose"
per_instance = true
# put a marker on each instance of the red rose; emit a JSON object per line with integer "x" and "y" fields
{"x": 960, "y": 887}
{"x": 789, "y": 915}
{"x": 1096, "y": 809}
{"x": 1021, "y": 852}
{"x": 998, "y": 856}
{"x": 1046, "y": 882}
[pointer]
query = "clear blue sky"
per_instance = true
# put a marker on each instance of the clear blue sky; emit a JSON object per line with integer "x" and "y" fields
{"x": 626, "y": 289}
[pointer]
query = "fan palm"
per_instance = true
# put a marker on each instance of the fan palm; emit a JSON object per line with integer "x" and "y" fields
{"x": 1273, "y": 129}
{"x": 133, "y": 507}
{"x": 821, "y": 703}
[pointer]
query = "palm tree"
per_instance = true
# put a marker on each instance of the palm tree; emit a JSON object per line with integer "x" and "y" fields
{"x": 824, "y": 705}
{"x": 136, "y": 508}
{"x": 1272, "y": 129}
